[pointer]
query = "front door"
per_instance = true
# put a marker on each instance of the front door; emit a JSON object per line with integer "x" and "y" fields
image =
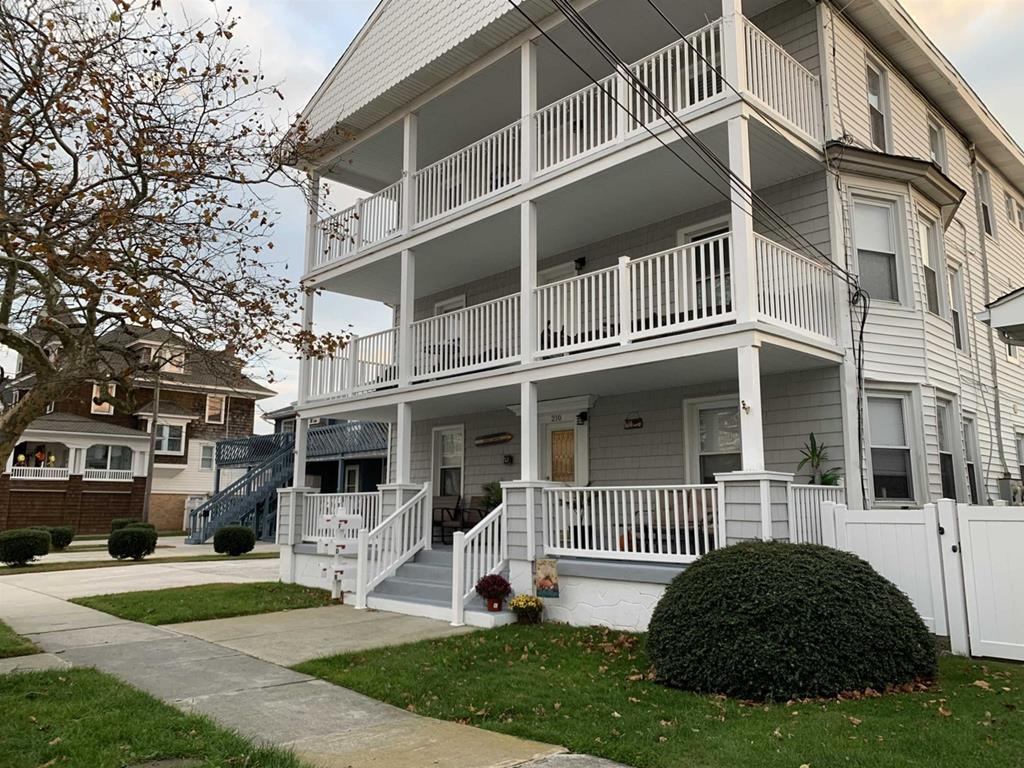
{"x": 562, "y": 449}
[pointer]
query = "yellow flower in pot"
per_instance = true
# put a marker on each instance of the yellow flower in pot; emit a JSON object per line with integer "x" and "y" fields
{"x": 527, "y": 608}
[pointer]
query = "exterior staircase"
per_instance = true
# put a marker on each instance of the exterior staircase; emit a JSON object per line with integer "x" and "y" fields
{"x": 423, "y": 587}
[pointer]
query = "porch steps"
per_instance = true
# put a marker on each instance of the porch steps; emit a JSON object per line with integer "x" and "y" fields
{"x": 423, "y": 587}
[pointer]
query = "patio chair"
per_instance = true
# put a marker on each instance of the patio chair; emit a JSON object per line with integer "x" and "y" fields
{"x": 446, "y": 510}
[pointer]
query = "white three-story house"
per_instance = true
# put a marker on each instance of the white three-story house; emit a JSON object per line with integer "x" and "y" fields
{"x": 629, "y": 286}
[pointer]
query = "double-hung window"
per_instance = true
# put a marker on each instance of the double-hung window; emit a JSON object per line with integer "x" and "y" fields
{"x": 170, "y": 439}
{"x": 215, "y": 409}
{"x": 931, "y": 256}
{"x": 891, "y": 465}
{"x": 719, "y": 447}
{"x": 100, "y": 407}
{"x": 207, "y": 459}
{"x": 985, "y": 196}
{"x": 947, "y": 465}
{"x": 874, "y": 225}
{"x": 970, "y": 435}
{"x": 1020, "y": 456}
{"x": 448, "y": 458}
{"x": 937, "y": 143}
{"x": 878, "y": 106}
{"x": 956, "y": 309}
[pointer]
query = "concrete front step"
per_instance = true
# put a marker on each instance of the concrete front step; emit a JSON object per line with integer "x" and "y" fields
{"x": 436, "y": 574}
{"x": 474, "y": 615}
{"x": 397, "y": 586}
{"x": 436, "y": 556}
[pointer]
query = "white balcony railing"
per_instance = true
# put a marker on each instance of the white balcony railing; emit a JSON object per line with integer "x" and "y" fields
{"x": 471, "y": 174}
{"x": 579, "y": 313}
{"x": 794, "y": 290}
{"x": 471, "y": 339}
{"x": 782, "y": 83}
{"x": 381, "y": 216}
{"x": 40, "y": 473}
{"x": 119, "y": 475}
{"x": 577, "y": 124}
{"x": 316, "y": 505}
{"x": 676, "y": 523}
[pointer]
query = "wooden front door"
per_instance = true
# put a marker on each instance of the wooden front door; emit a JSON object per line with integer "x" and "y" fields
{"x": 562, "y": 449}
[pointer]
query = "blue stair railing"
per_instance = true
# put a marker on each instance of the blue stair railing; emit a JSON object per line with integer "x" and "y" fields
{"x": 249, "y": 500}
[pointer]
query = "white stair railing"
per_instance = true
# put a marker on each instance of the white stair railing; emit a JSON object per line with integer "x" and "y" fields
{"x": 392, "y": 543}
{"x": 481, "y": 551}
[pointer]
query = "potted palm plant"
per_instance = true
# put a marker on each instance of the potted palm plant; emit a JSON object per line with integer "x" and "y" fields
{"x": 493, "y": 588}
{"x": 815, "y": 457}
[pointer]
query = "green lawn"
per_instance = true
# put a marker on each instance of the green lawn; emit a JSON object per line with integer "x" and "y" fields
{"x": 12, "y": 644}
{"x": 208, "y": 601}
{"x": 81, "y": 717}
{"x": 587, "y": 689}
{"x": 42, "y": 566}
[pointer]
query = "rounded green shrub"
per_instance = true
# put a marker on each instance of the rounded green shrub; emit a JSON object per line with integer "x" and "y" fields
{"x": 140, "y": 524}
{"x": 131, "y": 542}
{"x": 234, "y": 540}
{"x": 22, "y": 545}
{"x": 120, "y": 522}
{"x": 770, "y": 620}
{"x": 61, "y": 536}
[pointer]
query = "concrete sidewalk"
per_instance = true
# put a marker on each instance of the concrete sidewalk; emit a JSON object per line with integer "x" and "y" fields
{"x": 326, "y": 725}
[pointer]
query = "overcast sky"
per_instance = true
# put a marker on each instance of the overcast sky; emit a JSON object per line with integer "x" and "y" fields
{"x": 298, "y": 41}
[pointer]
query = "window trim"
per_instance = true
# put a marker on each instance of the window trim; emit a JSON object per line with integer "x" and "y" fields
{"x": 108, "y": 446}
{"x": 449, "y": 305}
{"x": 223, "y": 408}
{"x": 971, "y": 446}
{"x": 984, "y": 185}
{"x": 895, "y": 203}
{"x": 941, "y": 158}
{"x": 909, "y": 399}
{"x": 949, "y": 403}
{"x": 435, "y": 457}
{"x": 180, "y": 424}
{"x": 885, "y": 108}
{"x": 958, "y": 308}
{"x": 692, "y": 406}
{"x": 213, "y": 456}
{"x": 104, "y": 409}
{"x": 354, "y": 468}
{"x": 928, "y": 225}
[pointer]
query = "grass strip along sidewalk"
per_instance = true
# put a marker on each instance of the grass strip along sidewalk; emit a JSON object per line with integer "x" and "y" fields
{"x": 13, "y": 644}
{"x": 590, "y": 690}
{"x": 80, "y": 565}
{"x": 207, "y": 601}
{"x": 81, "y": 717}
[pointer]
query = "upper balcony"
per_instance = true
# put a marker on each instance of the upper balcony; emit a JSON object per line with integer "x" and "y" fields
{"x": 567, "y": 130}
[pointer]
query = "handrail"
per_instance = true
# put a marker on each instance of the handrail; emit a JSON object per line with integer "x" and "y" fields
{"x": 395, "y": 541}
{"x": 480, "y": 551}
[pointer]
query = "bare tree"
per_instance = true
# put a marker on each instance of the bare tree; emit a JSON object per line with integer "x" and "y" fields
{"x": 137, "y": 153}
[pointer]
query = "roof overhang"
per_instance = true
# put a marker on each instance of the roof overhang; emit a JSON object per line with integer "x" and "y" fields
{"x": 1006, "y": 315}
{"x": 923, "y": 175}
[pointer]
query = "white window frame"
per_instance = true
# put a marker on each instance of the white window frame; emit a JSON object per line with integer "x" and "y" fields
{"x": 174, "y": 359}
{"x": 898, "y": 222}
{"x": 958, "y": 309}
{"x": 353, "y": 469}
{"x": 108, "y": 446}
{"x": 939, "y": 156}
{"x": 1020, "y": 217}
{"x": 691, "y": 430}
{"x": 447, "y": 306}
{"x": 51, "y": 407}
{"x": 933, "y": 259}
{"x": 883, "y": 104}
{"x": 170, "y": 424}
{"x": 435, "y": 457}
{"x": 202, "y": 456}
{"x": 984, "y": 183}
{"x": 1019, "y": 440}
{"x": 102, "y": 409}
{"x": 954, "y": 449}
{"x": 911, "y": 433}
{"x": 223, "y": 408}
{"x": 972, "y": 456}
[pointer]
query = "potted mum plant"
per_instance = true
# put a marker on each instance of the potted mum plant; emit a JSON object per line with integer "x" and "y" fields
{"x": 493, "y": 588}
{"x": 527, "y": 608}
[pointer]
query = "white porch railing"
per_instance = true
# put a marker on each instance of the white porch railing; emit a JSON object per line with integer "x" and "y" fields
{"x": 381, "y": 215}
{"x": 481, "y": 336}
{"x": 577, "y": 124}
{"x": 315, "y": 505}
{"x": 329, "y": 376}
{"x": 804, "y": 510}
{"x": 107, "y": 474}
{"x": 367, "y": 363}
{"x": 793, "y": 289}
{"x": 579, "y": 313}
{"x": 395, "y": 541}
{"x": 337, "y": 236}
{"x": 781, "y": 82}
{"x": 681, "y": 75}
{"x": 40, "y": 473}
{"x": 475, "y": 554}
{"x": 674, "y": 524}
{"x": 471, "y": 174}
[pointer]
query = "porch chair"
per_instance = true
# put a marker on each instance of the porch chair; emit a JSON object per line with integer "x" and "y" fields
{"x": 446, "y": 510}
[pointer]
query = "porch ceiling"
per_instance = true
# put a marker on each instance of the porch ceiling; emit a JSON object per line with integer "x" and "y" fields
{"x": 629, "y": 195}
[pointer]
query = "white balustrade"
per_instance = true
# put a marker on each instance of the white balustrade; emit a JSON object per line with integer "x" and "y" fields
{"x": 395, "y": 541}
{"x": 329, "y": 376}
{"x": 480, "y": 551}
{"x": 481, "y": 336}
{"x": 804, "y": 510}
{"x": 40, "y": 473}
{"x": 119, "y": 475}
{"x": 579, "y": 313}
{"x": 793, "y": 289}
{"x": 471, "y": 174}
{"x": 374, "y": 360}
{"x": 680, "y": 76}
{"x": 381, "y": 215}
{"x": 337, "y": 236}
{"x": 656, "y": 523}
{"x": 576, "y": 124}
{"x": 316, "y": 505}
{"x": 781, "y": 82}
{"x": 681, "y": 288}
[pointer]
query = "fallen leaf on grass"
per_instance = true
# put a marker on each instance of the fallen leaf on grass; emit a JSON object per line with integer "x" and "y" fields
{"x": 945, "y": 712}
{"x": 983, "y": 684}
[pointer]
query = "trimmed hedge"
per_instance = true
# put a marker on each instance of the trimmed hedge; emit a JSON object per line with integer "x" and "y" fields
{"x": 120, "y": 522}
{"x": 770, "y": 620}
{"x": 140, "y": 524}
{"x": 60, "y": 535}
{"x": 22, "y": 545}
{"x": 234, "y": 540}
{"x": 133, "y": 542}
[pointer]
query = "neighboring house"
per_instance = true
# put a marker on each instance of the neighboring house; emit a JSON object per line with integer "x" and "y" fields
{"x": 102, "y": 447}
{"x": 635, "y": 347}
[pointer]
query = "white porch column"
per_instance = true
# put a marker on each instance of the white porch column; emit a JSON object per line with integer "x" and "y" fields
{"x": 528, "y": 105}
{"x": 734, "y": 49}
{"x": 410, "y": 144}
{"x": 528, "y": 431}
{"x": 744, "y": 274}
{"x": 748, "y": 360}
{"x": 301, "y": 438}
{"x": 528, "y": 330}
{"x": 312, "y": 219}
{"x": 403, "y": 445}
{"x": 406, "y": 309}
